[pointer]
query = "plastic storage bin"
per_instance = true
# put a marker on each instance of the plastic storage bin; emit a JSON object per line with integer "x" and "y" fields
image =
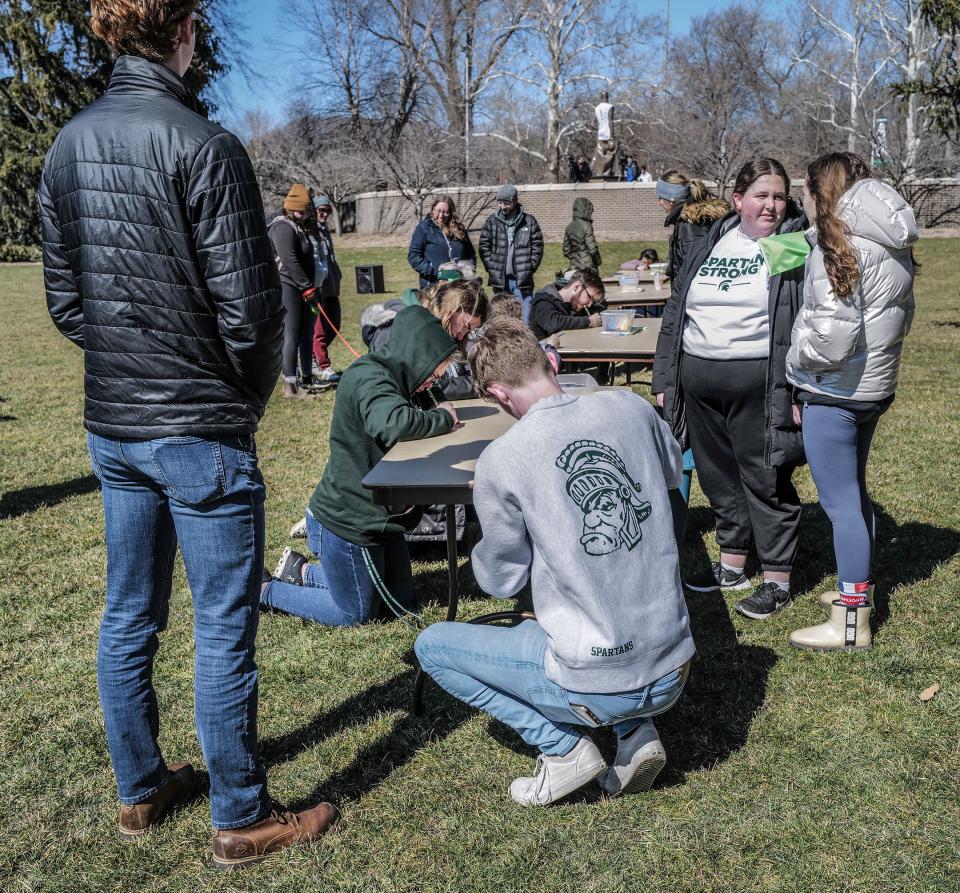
{"x": 620, "y": 321}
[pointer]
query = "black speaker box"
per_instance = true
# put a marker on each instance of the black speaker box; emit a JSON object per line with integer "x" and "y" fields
{"x": 369, "y": 279}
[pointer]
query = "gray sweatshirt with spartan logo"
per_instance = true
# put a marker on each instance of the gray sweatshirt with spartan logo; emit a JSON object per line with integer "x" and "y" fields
{"x": 574, "y": 497}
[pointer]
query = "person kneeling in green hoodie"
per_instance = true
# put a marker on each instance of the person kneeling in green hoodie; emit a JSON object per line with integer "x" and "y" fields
{"x": 346, "y": 531}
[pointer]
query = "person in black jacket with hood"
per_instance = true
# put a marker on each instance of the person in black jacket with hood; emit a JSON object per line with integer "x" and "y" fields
{"x": 157, "y": 264}
{"x": 511, "y": 248}
{"x": 720, "y": 376}
{"x": 691, "y": 210}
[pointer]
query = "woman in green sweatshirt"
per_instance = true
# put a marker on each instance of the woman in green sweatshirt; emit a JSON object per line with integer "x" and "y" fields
{"x": 346, "y": 531}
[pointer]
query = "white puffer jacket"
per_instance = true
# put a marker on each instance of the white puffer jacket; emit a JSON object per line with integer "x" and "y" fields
{"x": 850, "y": 348}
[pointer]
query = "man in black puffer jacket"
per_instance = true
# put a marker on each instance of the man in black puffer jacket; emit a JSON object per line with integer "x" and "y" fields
{"x": 511, "y": 248}
{"x": 157, "y": 264}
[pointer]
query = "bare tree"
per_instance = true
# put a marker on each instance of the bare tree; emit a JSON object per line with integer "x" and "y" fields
{"x": 848, "y": 56}
{"x": 723, "y": 103}
{"x": 567, "y": 47}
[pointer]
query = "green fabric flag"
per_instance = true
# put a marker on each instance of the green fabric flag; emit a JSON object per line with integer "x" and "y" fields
{"x": 784, "y": 252}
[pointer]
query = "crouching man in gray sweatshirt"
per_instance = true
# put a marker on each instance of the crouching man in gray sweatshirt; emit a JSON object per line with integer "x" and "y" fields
{"x": 573, "y": 497}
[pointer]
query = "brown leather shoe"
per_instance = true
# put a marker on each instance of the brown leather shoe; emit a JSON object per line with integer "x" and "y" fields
{"x": 138, "y": 818}
{"x": 243, "y": 846}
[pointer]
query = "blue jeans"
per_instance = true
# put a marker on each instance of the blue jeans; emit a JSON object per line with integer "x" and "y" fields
{"x": 523, "y": 295}
{"x": 207, "y": 496}
{"x": 338, "y": 590}
{"x": 500, "y": 671}
{"x": 837, "y": 443}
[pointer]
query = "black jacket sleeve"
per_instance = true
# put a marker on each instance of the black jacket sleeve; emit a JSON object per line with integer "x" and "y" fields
{"x": 63, "y": 296}
{"x": 549, "y": 319}
{"x": 285, "y": 242}
{"x": 536, "y": 243}
{"x": 236, "y": 261}
{"x": 486, "y": 242}
{"x": 665, "y": 342}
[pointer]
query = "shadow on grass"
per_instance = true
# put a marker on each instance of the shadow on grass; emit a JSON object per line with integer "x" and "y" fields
{"x": 906, "y": 554}
{"x": 384, "y": 755}
{"x": 29, "y": 499}
{"x": 711, "y": 722}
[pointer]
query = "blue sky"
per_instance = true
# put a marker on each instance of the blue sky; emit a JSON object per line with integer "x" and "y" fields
{"x": 270, "y": 46}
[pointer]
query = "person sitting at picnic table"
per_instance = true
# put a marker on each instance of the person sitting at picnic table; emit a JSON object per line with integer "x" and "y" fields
{"x": 557, "y": 307}
{"x": 579, "y": 242}
{"x": 439, "y": 240}
{"x": 574, "y": 498}
{"x": 361, "y": 543}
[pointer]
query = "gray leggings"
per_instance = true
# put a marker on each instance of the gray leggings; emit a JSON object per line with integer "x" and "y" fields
{"x": 297, "y": 335}
{"x": 837, "y": 443}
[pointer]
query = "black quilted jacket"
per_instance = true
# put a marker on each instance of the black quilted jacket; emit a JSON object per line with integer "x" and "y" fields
{"x": 527, "y": 250}
{"x": 157, "y": 263}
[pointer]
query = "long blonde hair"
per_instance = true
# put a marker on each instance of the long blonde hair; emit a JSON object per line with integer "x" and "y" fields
{"x": 444, "y": 299}
{"x": 828, "y": 178}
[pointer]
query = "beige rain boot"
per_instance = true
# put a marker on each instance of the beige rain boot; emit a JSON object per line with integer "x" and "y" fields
{"x": 848, "y": 629}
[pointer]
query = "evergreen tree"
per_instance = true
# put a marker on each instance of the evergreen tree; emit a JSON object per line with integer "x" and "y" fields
{"x": 51, "y": 66}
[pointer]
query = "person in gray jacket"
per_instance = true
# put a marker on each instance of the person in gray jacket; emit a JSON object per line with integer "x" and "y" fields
{"x": 843, "y": 362}
{"x": 573, "y": 498}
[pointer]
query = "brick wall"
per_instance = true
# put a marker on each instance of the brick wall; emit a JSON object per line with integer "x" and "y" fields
{"x": 621, "y": 211}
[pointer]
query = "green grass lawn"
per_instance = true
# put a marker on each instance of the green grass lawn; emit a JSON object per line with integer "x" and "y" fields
{"x": 788, "y": 771}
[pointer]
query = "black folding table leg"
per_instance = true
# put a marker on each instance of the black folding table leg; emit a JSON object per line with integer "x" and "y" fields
{"x": 452, "y": 597}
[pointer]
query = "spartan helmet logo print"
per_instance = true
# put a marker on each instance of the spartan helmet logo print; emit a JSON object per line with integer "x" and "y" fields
{"x": 610, "y": 500}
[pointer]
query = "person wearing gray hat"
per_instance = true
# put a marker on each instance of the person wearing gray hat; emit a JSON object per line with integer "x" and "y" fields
{"x": 511, "y": 248}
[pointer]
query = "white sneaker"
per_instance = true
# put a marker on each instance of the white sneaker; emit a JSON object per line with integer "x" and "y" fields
{"x": 299, "y": 530}
{"x": 637, "y": 765}
{"x": 555, "y": 777}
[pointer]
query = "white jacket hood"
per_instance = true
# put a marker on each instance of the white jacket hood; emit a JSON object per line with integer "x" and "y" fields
{"x": 875, "y": 211}
{"x": 849, "y": 348}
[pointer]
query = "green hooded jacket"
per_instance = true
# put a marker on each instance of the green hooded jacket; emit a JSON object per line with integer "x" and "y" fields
{"x": 579, "y": 243}
{"x": 373, "y": 412}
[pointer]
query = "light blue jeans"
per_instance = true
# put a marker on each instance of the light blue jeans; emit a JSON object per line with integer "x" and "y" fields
{"x": 207, "y": 497}
{"x": 501, "y": 672}
{"x": 523, "y": 295}
{"x": 337, "y": 590}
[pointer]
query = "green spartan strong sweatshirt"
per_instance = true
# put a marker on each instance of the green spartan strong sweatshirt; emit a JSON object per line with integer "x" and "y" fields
{"x": 372, "y": 413}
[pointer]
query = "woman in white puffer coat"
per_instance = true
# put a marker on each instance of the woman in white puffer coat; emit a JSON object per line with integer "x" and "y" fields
{"x": 843, "y": 363}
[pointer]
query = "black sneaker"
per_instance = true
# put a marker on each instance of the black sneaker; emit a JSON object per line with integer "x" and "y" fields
{"x": 290, "y": 567}
{"x": 767, "y": 599}
{"x": 717, "y": 577}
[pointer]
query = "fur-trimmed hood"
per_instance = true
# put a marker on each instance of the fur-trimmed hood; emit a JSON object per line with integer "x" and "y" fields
{"x": 705, "y": 212}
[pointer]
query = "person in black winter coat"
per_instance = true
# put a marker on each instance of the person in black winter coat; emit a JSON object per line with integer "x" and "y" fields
{"x": 511, "y": 248}
{"x": 691, "y": 210}
{"x": 157, "y": 265}
{"x": 439, "y": 238}
{"x": 295, "y": 261}
{"x": 720, "y": 376}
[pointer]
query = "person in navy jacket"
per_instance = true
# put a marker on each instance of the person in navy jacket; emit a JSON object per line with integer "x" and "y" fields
{"x": 438, "y": 239}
